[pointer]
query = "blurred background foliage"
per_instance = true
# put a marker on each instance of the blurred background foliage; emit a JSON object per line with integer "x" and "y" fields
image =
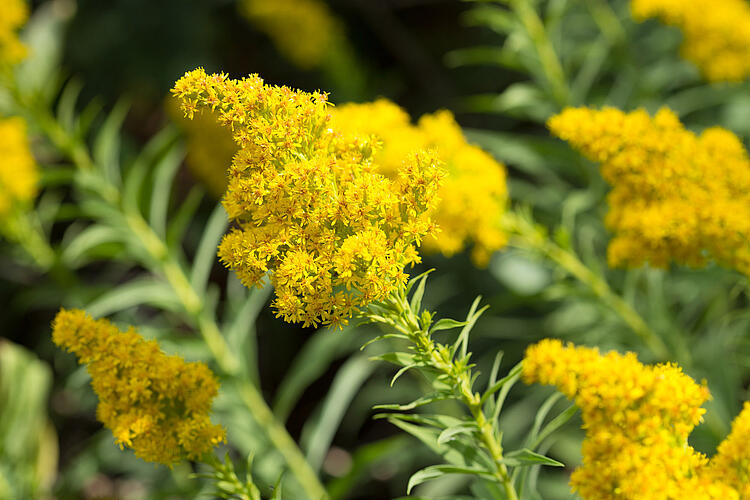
{"x": 480, "y": 60}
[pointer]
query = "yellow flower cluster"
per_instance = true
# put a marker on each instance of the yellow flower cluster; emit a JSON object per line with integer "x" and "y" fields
{"x": 154, "y": 403}
{"x": 210, "y": 147}
{"x": 676, "y": 196}
{"x": 18, "y": 170}
{"x": 473, "y": 195}
{"x": 637, "y": 420}
{"x": 13, "y": 15}
{"x": 302, "y": 30}
{"x": 732, "y": 460}
{"x": 310, "y": 208}
{"x": 716, "y": 33}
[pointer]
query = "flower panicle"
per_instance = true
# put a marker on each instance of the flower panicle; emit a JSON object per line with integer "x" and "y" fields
{"x": 716, "y": 33}
{"x": 676, "y": 196}
{"x": 473, "y": 195}
{"x": 637, "y": 420}
{"x": 154, "y": 403}
{"x": 310, "y": 208}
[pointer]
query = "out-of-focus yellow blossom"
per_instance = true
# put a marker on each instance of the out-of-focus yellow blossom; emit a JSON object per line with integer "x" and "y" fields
{"x": 210, "y": 147}
{"x": 154, "y": 403}
{"x": 13, "y": 15}
{"x": 302, "y": 30}
{"x": 676, "y": 196}
{"x": 732, "y": 460}
{"x": 309, "y": 205}
{"x": 474, "y": 193}
{"x": 637, "y": 420}
{"x": 716, "y": 33}
{"x": 19, "y": 176}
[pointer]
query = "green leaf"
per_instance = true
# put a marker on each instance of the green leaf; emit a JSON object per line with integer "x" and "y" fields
{"x": 417, "y": 279}
{"x": 482, "y": 56}
{"x": 180, "y": 220}
{"x": 164, "y": 172}
{"x": 346, "y": 384}
{"x": 106, "y": 150}
{"x": 511, "y": 377}
{"x": 446, "y": 324}
{"x": 276, "y": 495}
{"x": 451, "y": 432}
{"x": 436, "y": 471}
{"x": 462, "y": 341}
{"x": 75, "y": 252}
{"x": 134, "y": 293}
{"x": 421, "y": 401}
{"x": 66, "y": 105}
{"x": 455, "y": 451}
{"x": 396, "y": 358}
{"x": 499, "y": 20}
{"x": 240, "y": 330}
{"x": 526, "y": 457}
{"x": 415, "y": 304}
{"x": 554, "y": 424}
{"x": 519, "y": 100}
{"x": 401, "y": 372}
{"x": 312, "y": 361}
{"x": 44, "y": 35}
{"x": 205, "y": 255}
{"x": 135, "y": 179}
{"x": 383, "y": 337}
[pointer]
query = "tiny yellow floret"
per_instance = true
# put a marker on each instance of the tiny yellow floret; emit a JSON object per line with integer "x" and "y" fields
{"x": 716, "y": 33}
{"x": 676, "y": 197}
{"x": 310, "y": 208}
{"x": 154, "y": 403}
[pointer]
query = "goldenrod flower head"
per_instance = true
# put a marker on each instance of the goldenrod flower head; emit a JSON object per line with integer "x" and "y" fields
{"x": 302, "y": 30}
{"x": 473, "y": 195}
{"x": 732, "y": 460}
{"x": 637, "y": 420}
{"x": 154, "y": 403}
{"x": 716, "y": 33}
{"x": 210, "y": 147}
{"x": 13, "y": 15}
{"x": 311, "y": 209}
{"x": 676, "y": 196}
{"x": 19, "y": 176}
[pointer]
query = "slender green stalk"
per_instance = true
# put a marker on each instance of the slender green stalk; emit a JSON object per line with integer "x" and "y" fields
{"x": 528, "y": 236}
{"x": 23, "y": 228}
{"x": 459, "y": 377}
{"x": 550, "y": 63}
{"x": 161, "y": 262}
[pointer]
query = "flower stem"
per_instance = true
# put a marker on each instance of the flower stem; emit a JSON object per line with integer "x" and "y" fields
{"x": 460, "y": 378}
{"x": 526, "y": 235}
{"x": 550, "y": 63}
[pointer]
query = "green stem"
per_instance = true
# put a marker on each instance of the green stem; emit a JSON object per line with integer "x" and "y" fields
{"x": 161, "y": 262}
{"x": 459, "y": 378}
{"x": 550, "y": 63}
{"x": 528, "y": 236}
{"x": 23, "y": 228}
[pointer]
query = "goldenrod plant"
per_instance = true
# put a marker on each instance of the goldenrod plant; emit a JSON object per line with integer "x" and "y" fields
{"x": 300, "y": 317}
